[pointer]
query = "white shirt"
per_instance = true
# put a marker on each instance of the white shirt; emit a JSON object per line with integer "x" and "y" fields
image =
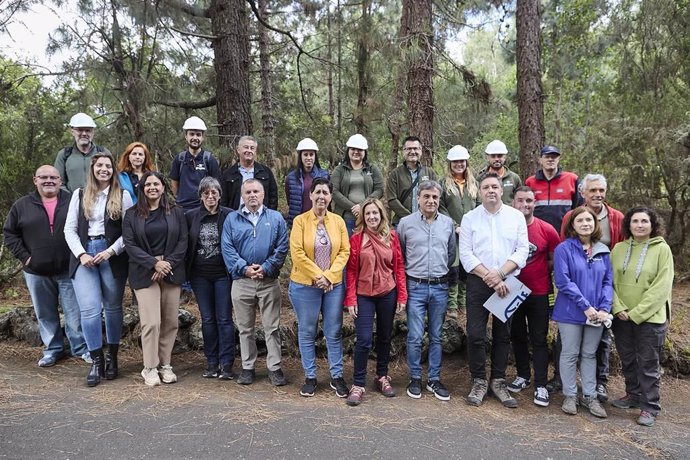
{"x": 252, "y": 216}
{"x": 492, "y": 239}
{"x": 96, "y": 223}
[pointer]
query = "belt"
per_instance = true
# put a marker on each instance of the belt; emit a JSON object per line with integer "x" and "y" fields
{"x": 98, "y": 237}
{"x": 443, "y": 279}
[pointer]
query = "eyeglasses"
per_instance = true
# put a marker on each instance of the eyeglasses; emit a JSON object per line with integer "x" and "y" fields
{"x": 412, "y": 149}
{"x": 47, "y": 177}
{"x": 322, "y": 235}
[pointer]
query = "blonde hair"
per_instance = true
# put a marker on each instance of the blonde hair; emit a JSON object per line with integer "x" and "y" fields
{"x": 113, "y": 207}
{"x": 470, "y": 182}
{"x": 384, "y": 227}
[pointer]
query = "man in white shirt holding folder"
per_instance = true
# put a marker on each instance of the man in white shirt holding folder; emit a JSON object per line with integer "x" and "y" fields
{"x": 493, "y": 246}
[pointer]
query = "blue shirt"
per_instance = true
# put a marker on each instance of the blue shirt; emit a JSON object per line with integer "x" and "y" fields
{"x": 188, "y": 174}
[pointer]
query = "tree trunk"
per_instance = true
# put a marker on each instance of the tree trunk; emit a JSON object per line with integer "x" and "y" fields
{"x": 362, "y": 68}
{"x": 529, "y": 89}
{"x": 267, "y": 118}
{"x": 397, "y": 117}
{"x": 230, "y": 27}
{"x": 420, "y": 89}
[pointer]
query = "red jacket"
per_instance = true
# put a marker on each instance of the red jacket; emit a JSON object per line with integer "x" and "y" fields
{"x": 555, "y": 197}
{"x": 353, "y": 268}
{"x": 615, "y": 222}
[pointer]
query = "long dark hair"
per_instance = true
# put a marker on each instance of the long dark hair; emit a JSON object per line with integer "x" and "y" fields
{"x": 142, "y": 205}
{"x": 654, "y": 219}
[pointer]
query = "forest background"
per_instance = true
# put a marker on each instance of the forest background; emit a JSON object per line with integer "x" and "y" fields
{"x": 607, "y": 81}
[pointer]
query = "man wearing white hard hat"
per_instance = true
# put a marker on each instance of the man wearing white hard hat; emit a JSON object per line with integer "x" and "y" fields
{"x": 192, "y": 165}
{"x": 298, "y": 180}
{"x": 73, "y": 162}
{"x": 496, "y": 153}
{"x": 403, "y": 181}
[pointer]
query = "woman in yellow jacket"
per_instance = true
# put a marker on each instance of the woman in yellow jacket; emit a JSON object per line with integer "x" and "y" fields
{"x": 319, "y": 248}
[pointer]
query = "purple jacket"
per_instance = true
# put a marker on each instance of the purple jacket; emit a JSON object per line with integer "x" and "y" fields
{"x": 581, "y": 282}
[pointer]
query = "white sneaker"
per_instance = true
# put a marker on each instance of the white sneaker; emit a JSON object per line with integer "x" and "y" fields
{"x": 167, "y": 374}
{"x": 541, "y": 397}
{"x": 86, "y": 357}
{"x": 151, "y": 377}
{"x": 517, "y": 385}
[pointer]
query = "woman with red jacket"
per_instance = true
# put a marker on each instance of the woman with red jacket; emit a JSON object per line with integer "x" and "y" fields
{"x": 375, "y": 288}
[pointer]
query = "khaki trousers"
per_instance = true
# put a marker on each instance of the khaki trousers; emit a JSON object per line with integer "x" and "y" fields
{"x": 247, "y": 294}
{"x": 158, "y": 309}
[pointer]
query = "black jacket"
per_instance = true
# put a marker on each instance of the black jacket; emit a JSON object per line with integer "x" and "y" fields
{"x": 231, "y": 182}
{"x": 27, "y": 234}
{"x": 194, "y": 219}
{"x": 141, "y": 261}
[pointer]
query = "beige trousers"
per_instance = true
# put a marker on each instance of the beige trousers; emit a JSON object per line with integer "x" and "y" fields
{"x": 158, "y": 309}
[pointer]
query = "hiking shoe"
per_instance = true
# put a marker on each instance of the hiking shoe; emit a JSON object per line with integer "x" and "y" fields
{"x": 308, "y": 388}
{"x": 602, "y": 392}
{"x": 340, "y": 387}
{"x": 47, "y": 361}
{"x": 517, "y": 385}
{"x": 478, "y": 392}
{"x": 570, "y": 405}
{"x": 554, "y": 385}
{"x": 151, "y": 377}
{"x": 414, "y": 388}
{"x": 437, "y": 388}
{"x": 646, "y": 418}
{"x": 225, "y": 373}
{"x": 211, "y": 372}
{"x": 246, "y": 377}
{"x": 383, "y": 384}
{"x": 541, "y": 396}
{"x": 626, "y": 402}
{"x": 86, "y": 357}
{"x": 167, "y": 374}
{"x": 277, "y": 378}
{"x": 594, "y": 405}
{"x": 499, "y": 389}
{"x": 355, "y": 396}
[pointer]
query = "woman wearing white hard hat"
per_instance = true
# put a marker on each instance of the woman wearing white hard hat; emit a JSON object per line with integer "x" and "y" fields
{"x": 354, "y": 180}
{"x": 460, "y": 190}
{"x": 298, "y": 180}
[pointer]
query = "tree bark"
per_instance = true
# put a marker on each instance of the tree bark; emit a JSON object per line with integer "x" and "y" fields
{"x": 397, "y": 117}
{"x": 529, "y": 87}
{"x": 362, "y": 68}
{"x": 267, "y": 118}
{"x": 420, "y": 89}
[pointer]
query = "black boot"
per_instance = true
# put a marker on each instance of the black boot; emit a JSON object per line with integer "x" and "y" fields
{"x": 111, "y": 361}
{"x": 97, "y": 368}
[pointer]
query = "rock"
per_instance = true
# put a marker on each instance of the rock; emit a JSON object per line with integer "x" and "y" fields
{"x": 452, "y": 337}
{"x": 196, "y": 338}
{"x": 25, "y": 327}
{"x": 130, "y": 321}
{"x": 185, "y": 318}
{"x": 6, "y": 325}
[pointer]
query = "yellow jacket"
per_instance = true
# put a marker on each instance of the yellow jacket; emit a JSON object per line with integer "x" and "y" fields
{"x": 302, "y": 237}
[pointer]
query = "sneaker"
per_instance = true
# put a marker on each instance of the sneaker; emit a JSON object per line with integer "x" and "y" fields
{"x": 308, "y": 388}
{"x": 246, "y": 377}
{"x": 570, "y": 405}
{"x": 86, "y": 357}
{"x": 500, "y": 390}
{"x": 277, "y": 378}
{"x": 517, "y": 385}
{"x": 340, "y": 387}
{"x": 594, "y": 405}
{"x": 626, "y": 402}
{"x": 602, "y": 392}
{"x": 646, "y": 418}
{"x": 355, "y": 396}
{"x": 478, "y": 392}
{"x": 167, "y": 374}
{"x": 554, "y": 385}
{"x": 541, "y": 396}
{"x": 437, "y": 388}
{"x": 211, "y": 372}
{"x": 225, "y": 372}
{"x": 151, "y": 377}
{"x": 47, "y": 361}
{"x": 383, "y": 384}
{"x": 414, "y": 388}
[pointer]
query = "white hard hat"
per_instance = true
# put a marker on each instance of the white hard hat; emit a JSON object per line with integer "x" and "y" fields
{"x": 357, "y": 141}
{"x": 496, "y": 148}
{"x": 307, "y": 144}
{"x": 82, "y": 120}
{"x": 194, "y": 123}
{"x": 458, "y": 152}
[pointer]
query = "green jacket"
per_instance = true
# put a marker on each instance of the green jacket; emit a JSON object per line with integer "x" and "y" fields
{"x": 373, "y": 186}
{"x": 648, "y": 298}
{"x": 456, "y": 206}
{"x": 510, "y": 181}
{"x": 399, "y": 181}
{"x": 74, "y": 168}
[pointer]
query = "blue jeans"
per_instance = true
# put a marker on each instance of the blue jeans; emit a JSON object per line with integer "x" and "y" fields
{"x": 425, "y": 300}
{"x": 97, "y": 290}
{"x": 384, "y": 309}
{"x": 217, "y": 328}
{"x": 350, "y": 225}
{"x": 308, "y": 302}
{"x": 45, "y": 291}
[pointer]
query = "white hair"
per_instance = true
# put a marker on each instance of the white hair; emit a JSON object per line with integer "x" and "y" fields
{"x": 591, "y": 178}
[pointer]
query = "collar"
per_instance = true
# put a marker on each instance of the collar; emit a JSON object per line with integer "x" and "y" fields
{"x": 541, "y": 176}
{"x": 105, "y": 191}
{"x": 498, "y": 211}
{"x": 245, "y": 211}
{"x": 423, "y": 218}
{"x": 414, "y": 171}
{"x": 242, "y": 168}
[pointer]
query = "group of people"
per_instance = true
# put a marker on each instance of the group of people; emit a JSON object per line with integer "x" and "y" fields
{"x": 431, "y": 246}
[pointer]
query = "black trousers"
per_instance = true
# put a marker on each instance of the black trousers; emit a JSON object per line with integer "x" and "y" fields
{"x": 529, "y": 326}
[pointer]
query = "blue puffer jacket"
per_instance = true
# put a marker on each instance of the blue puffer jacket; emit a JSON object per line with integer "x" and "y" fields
{"x": 294, "y": 187}
{"x": 581, "y": 282}
{"x": 242, "y": 244}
